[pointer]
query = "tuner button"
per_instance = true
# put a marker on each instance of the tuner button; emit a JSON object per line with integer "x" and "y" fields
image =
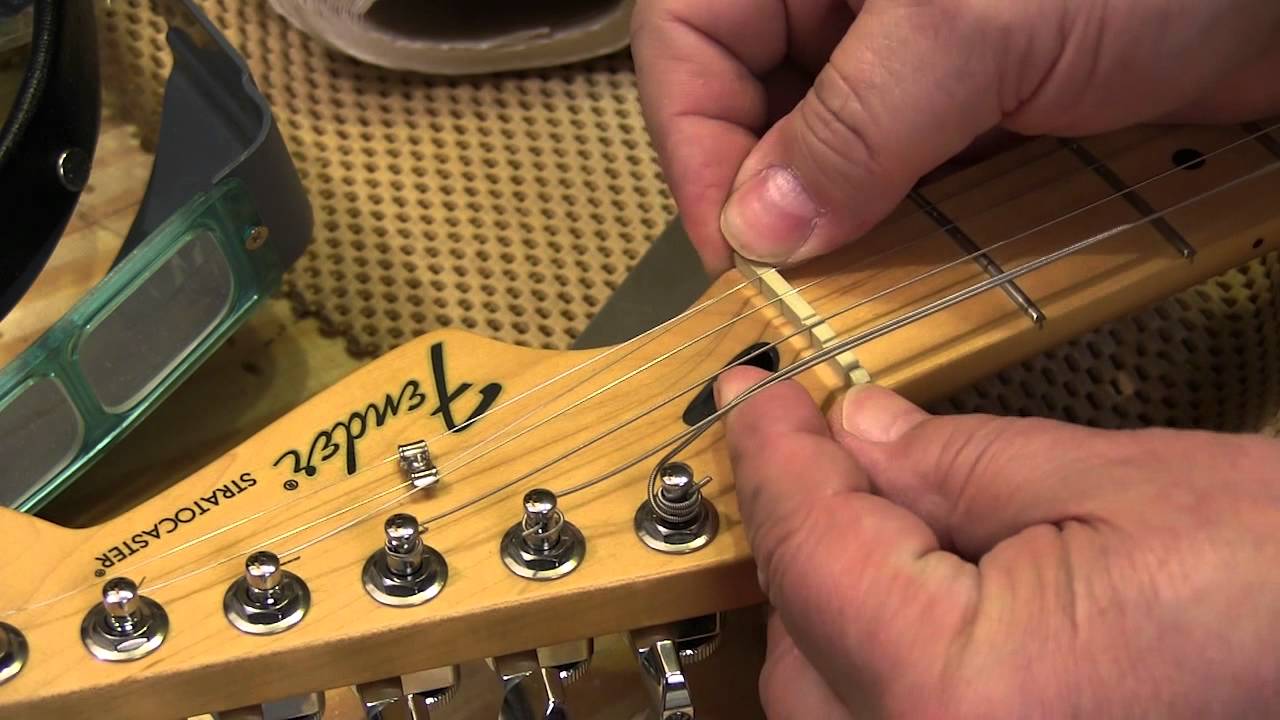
{"x": 543, "y": 545}
{"x": 405, "y": 571}
{"x": 663, "y": 651}
{"x": 534, "y": 680}
{"x": 266, "y": 599}
{"x": 126, "y": 625}
{"x": 310, "y": 706}
{"x": 13, "y": 651}
{"x": 409, "y": 697}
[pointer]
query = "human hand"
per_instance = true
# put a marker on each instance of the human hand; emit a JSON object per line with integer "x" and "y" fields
{"x": 973, "y": 566}
{"x": 887, "y": 98}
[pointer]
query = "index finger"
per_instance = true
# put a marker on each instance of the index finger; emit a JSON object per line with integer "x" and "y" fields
{"x": 700, "y": 65}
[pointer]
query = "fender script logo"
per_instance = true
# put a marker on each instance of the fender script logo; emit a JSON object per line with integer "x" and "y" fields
{"x": 343, "y": 437}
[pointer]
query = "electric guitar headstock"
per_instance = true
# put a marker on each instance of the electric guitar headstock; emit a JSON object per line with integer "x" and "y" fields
{"x": 460, "y": 499}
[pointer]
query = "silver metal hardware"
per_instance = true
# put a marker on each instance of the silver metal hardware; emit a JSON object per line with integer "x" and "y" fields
{"x": 534, "y": 680}
{"x": 677, "y": 518}
{"x": 13, "y": 651}
{"x": 664, "y": 651}
{"x": 543, "y": 545}
{"x": 415, "y": 461}
{"x": 73, "y": 169}
{"x": 267, "y": 599}
{"x": 256, "y": 237}
{"x": 300, "y": 707}
{"x": 409, "y": 697}
{"x": 126, "y": 625}
{"x": 405, "y": 571}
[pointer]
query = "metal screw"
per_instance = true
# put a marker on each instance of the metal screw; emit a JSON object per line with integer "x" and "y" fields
{"x": 257, "y": 237}
{"x": 73, "y": 169}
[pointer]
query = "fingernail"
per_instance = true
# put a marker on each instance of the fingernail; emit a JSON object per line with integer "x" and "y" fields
{"x": 875, "y": 414}
{"x": 770, "y": 217}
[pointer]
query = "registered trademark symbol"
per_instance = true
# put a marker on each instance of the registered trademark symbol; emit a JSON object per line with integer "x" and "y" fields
{"x": 290, "y": 484}
{"x": 99, "y": 572}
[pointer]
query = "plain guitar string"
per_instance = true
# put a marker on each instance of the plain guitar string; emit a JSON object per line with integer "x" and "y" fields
{"x": 799, "y": 366}
{"x": 686, "y": 437}
{"x": 638, "y": 341}
{"x": 641, "y": 339}
{"x": 404, "y": 496}
{"x": 682, "y": 439}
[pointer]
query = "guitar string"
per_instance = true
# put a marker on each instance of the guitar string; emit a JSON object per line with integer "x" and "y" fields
{"x": 457, "y": 462}
{"x": 595, "y": 358}
{"x": 822, "y": 356}
{"x": 924, "y": 311}
{"x": 638, "y": 341}
{"x": 805, "y": 327}
{"x": 933, "y": 232}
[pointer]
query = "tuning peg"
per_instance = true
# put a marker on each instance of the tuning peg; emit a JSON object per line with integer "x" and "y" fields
{"x": 13, "y": 651}
{"x": 125, "y": 625}
{"x": 664, "y": 650}
{"x": 405, "y": 571}
{"x": 267, "y": 599}
{"x": 543, "y": 545}
{"x": 534, "y": 680}
{"x": 301, "y": 707}
{"x": 677, "y": 518}
{"x": 409, "y": 697}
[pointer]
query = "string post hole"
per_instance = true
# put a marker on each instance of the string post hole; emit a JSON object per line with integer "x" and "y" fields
{"x": 675, "y": 517}
{"x": 543, "y": 545}
{"x": 416, "y": 463}
{"x": 405, "y": 571}
{"x": 266, "y": 599}
{"x": 126, "y": 625}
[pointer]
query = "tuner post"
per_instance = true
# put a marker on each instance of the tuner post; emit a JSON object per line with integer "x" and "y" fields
{"x": 126, "y": 625}
{"x": 405, "y": 571}
{"x": 13, "y": 651}
{"x": 543, "y": 545}
{"x": 266, "y": 599}
{"x": 677, "y": 518}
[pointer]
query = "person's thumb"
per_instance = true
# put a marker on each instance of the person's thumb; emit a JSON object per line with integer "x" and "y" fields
{"x": 979, "y": 479}
{"x": 909, "y": 86}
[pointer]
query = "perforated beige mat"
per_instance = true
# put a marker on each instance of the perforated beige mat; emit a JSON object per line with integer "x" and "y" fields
{"x": 513, "y": 205}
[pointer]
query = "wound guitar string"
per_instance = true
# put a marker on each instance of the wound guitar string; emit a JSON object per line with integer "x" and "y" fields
{"x": 633, "y": 344}
{"x": 819, "y": 358}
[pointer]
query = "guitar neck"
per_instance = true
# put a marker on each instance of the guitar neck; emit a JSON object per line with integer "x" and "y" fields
{"x": 1030, "y": 202}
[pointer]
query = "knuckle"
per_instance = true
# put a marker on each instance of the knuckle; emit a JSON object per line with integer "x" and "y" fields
{"x": 836, "y": 124}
